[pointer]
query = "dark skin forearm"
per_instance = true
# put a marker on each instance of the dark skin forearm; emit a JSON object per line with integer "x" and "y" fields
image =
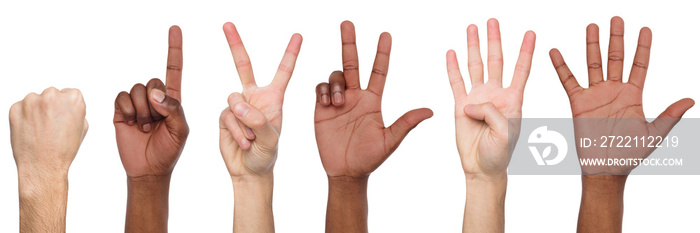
{"x": 347, "y": 205}
{"x": 147, "y": 204}
{"x": 601, "y": 203}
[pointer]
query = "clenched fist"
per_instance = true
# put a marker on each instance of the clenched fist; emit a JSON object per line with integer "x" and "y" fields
{"x": 46, "y": 130}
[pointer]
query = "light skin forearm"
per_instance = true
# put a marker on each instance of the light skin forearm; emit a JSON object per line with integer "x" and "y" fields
{"x": 347, "y": 204}
{"x": 253, "y": 204}
{"x": 485, "y": 203}
{"x": 601, "y": 203}
{"x": 42, "y": 202}
{"x": 147, "y": 204}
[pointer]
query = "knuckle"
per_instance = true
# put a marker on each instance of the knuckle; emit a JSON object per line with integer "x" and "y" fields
{"x": 14, "y": 109}
{"x": 50, "y": 91}
{"x": 322, "y": 88}
{"x": 285, "y": 68}
{"x": 640, "y": 65}
{"x": 233, "y": 97}
{"x": 350, "y": 65}
{"x": 242, "y": 64}
{"x": 379, "y": 72}
{"x": 154, "y": 82}
{"x": 137, "y": 87}
{"x": 30, "y": 98}
{"x": 615, "y": 56}
{"x": 144, "y": 118}
{"x": 595, "y": 65}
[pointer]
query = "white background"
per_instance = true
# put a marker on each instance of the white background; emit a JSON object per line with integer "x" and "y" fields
{"x": 104, "y": 48}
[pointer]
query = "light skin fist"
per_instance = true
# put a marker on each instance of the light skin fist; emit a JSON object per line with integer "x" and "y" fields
{"x": 350, "y": 133}
{"x": 250, "y": 126}
{"x": 46, "y": 131}
{"x": 481, "y": 116}
{"x": 149, "y": 120}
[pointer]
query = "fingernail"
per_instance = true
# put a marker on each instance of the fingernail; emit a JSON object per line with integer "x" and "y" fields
{"x": 241, "y": 109}
{"x": 245, "y": 143}
{"x": 468, "y": 108}
{"x": 158, "y": 95}
{"x": 338, "y": 98}
{"x": 147, "y": 127}
{"x": 325, "y": 99}
{"x": 130, "y": 122}
{"x": 250, "y": 133}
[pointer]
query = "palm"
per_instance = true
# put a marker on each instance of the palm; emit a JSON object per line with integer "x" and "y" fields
{"x": 153, "y": 153}
{"x": 269, "y": 101}
{"x": 482, "y": 134}
{"x": 608, "y": 100}
{"x": 350, "y": 133}
{"x": 610, "y": 107}
{"x": 352, "y": 138}
{"x": 476, "y": 141}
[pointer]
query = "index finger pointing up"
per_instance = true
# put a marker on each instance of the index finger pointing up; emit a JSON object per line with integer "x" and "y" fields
{"x": 350, "y": 60}
{"x": 240, "y": 56}
{"x": 173, "y": 75}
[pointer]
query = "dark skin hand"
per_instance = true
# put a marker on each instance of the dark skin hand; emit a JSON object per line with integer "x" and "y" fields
{"x": 151, "y": 133}
{"x": 610, "y": 101}
{"x": 350, "y": 133}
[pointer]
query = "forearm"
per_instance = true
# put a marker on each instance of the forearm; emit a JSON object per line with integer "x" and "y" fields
{"x": 253, "y": 204}
{"x": 601, "y": 203}
{"x": 42, "y": 203}
{"x": 147, "y": 204}
{"x": 485, "y": 204}
{"x": 347, "y": 205}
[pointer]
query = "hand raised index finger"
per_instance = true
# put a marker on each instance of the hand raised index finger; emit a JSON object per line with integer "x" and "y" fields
{"x": 286, "y": 67}
{"x": 173, "y": 75}
{"x": 240, "y": 56}
{"x": 350, "y": 60}
{"x": 381, "y": 65}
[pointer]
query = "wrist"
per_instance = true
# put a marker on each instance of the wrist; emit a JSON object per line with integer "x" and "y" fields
{"x": 604, "y": 184}
{"x": 348, "y": 181}
{"x": 486, "y": 187}
{"x": 348, "y": 186}
{"x": 156, "y": 185}
{"x": 41, "y": 183}
{"x": 500, "y": 178}
{"x": 252, "y": 195}
{"x": 253, "y": 185}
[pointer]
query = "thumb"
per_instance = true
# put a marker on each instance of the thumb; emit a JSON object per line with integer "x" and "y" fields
{"x": 489, "y": 113}
{"x": 171, "y": 110}
{"x": 405, "y": 124}
{"x": 265, "y": 135}
{"x": 667, "y": 119}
